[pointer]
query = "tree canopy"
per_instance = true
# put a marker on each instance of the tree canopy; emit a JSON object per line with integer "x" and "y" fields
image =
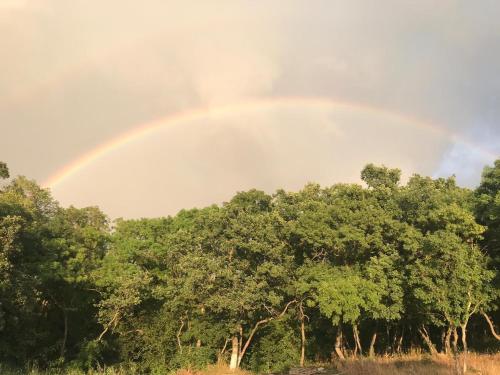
{"x": 263, "y": 281}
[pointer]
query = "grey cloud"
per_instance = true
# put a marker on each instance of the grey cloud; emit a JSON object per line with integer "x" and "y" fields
{"x": 75, "y": 74}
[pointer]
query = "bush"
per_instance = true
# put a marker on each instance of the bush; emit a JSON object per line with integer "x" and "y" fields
{"x": 193, "y": 358}
{"x": 276, "y": 350}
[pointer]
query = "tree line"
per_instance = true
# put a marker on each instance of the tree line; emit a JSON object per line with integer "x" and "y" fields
{"x": 262, "y": 281}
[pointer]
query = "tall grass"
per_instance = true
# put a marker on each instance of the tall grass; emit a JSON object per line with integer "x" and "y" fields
{"x": 408, "y": 364}
{"x": 416, "y": 364}
{"x": 214, "y": 370}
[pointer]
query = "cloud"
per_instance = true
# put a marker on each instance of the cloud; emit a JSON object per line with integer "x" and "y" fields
{"x": 196, "y": 163}
{"x": 14, "y": 4}
{"x": 76, "y": 74}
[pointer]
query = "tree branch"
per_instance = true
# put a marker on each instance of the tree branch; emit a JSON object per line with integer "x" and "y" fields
{"x": 490, "y": 323}
{"x": 106, "y": 329}
{"x": 256, "y": 327}
{"x": 179, "y": 335}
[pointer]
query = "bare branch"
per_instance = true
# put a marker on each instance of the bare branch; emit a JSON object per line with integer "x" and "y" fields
{"x": 223, "y": 350}
{"x": 179, "y": 335}
{"x": 256, "y": 327}
{"x": 490, "y": 323}
{"x": 113, "y": 322}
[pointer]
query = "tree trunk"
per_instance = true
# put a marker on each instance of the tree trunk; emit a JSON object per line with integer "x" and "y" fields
{"x": 372, "y": 344}
{"x": 447, "y": 342}
{"x": 443, "y": 339}
{"x": 463, "y": 329}
{"x": 355, "y": 351}
{"x": 65, "y": 335}
{"x": 456, "y": 359}
{"x": 220, "y": 355}
{"x": 425, "y": 335}
{"x": 464, "y": 344}
{"x": 394, "y": 340}
{"x": 455, "y": 340}
{"x": 338, "y": 343}
{"x": 240, "y": 345}
{"x": 233, "y": 365}
{"x": 357, "y": 340}
{"x": 400, "y": 342}
{"x": 302, "y": 336}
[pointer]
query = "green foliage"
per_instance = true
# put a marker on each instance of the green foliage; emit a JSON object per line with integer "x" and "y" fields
{"x": 450, "y": 279}
{"x": 277, "y": 349}
{"x": 46, "y": 255}
{"x": 488, "y": 212}
{"x": 380, "y": 177}
{"x": 342, "y": 294}
{"x": 193, "y": 358}
{"x": 4, "y": 170}
{"x": 258, "y": 272}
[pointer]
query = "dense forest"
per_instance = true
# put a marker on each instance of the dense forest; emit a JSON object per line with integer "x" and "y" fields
{"x": 261, "y": 282}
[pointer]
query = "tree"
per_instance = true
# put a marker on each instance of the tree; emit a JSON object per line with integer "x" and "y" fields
{"x": 488, "y": 210}
{"x": 25, "y": 210}
{"x": 258, "y": 264}
{"x": 447, "y": 272}
{"x": 261, "y": 281}
{"x": 4, "y": 170}
{"x": 380, "y": 177}
{"x": 76, "y": 243}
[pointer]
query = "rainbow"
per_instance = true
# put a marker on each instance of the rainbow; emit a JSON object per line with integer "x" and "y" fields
{"x": 146, "y": 129}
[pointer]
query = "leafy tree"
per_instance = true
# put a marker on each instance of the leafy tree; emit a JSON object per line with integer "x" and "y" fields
{"x": 76, "y": 243}
{"x": 25, "y": 210}
{"x": 380, "y": 177}
{"x": 4, "y": 170}
{"x": 446, "y": 271}
{"x": 451, "y": 282}
{"x": 488, "y": 213}
{"x": 488, "y": 209}
{"x": 262, "y": 281}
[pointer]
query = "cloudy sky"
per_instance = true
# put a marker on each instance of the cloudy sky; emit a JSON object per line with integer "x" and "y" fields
{"x": 283, "y": 92}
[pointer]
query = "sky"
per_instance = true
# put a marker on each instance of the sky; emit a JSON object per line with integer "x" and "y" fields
{"x": 242, "y": 94}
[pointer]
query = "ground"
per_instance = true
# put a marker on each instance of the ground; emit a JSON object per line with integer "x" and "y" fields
{"x": 414, "y": 364}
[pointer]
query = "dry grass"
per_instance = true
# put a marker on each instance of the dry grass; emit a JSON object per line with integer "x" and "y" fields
{"x": 421, "y": 365}
{"x": 410, "y": 364}
{"x": 414, "y": 364}
{"x": 214, "y": 370}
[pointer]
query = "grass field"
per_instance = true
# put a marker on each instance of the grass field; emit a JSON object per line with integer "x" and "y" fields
{"x": 479, "y": 364}
{"x": 421, "y": 365}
